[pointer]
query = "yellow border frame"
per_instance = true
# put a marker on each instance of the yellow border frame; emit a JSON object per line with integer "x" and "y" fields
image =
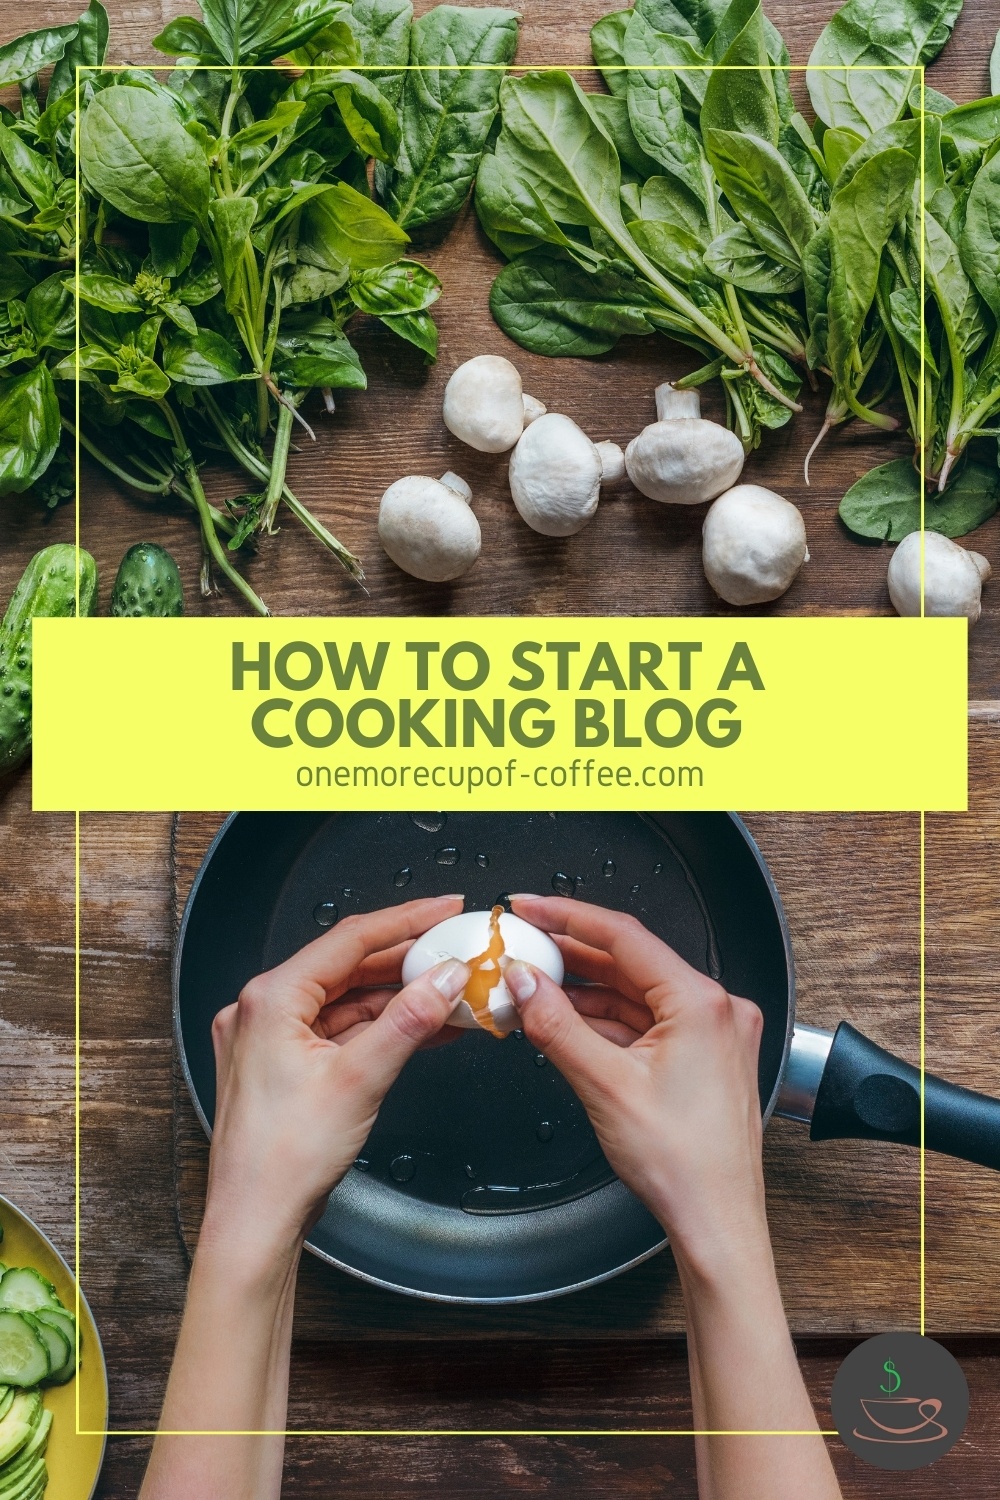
{"x": 573, "y": 68}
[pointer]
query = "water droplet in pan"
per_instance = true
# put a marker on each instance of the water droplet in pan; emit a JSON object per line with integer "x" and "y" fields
{"x": 470, "y": 1172}
{"x": 403, "y": 1168}
{"x": 429, "y": 822}
{"x": 541, "y": 1061}
{"x": 348, "y": 891}
{"x": 448, "y": 856}
{"x": 325, "y": 914}
{"x": 483, "y": 861}
{"x": 657, "y": 869}
{"x": 545, "y": 1131}
{"x": 635, "y": 889}
{"x": 402, "y": 877}
{"x": 563, "y": 885}
{"x": 608, "y": 868}
{"x": 362, "y": 1164}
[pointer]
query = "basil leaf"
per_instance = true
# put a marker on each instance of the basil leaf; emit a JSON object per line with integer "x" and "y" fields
{"x": 862, "y": 216}
{"x": 416, "y": 328}
{"x": 370, "y": 119}
{"x": 342, "y": 227}
{"x": 404, "y": 287}
{"x": 764, "y": 192}
{"x": 29, "y": 54}
{"x": 447, "y": 110}
{"x": 655, "y": 112}
{"x": 136, "y": 153}
{"x": 740, "y": 94}
{"x": 232, "y": 220}
{"x": 280, "y": 121}
{"x": 172, "y": 248}
{"x": 50, "y": 314}
{"x": 205, "y": 358}
{"x": 108, "y": 293}
{"x": 33, "y": 173}
{"x": 885, "y": 502}
{"x": 185, "y": 37}
{"x": 980, "y": 240}
{"x": 880, "y": 44}
{"x": 736, "y": 256}
{"x": 312, "y": 351}
{"x": 243, "y": 30}
{"x": 29, "y": 429}
{"x": 144, "y": 378}
{"x": 14, "y": 279}
{"x": 607, "y": 43}
{"x": 87, "y": 49}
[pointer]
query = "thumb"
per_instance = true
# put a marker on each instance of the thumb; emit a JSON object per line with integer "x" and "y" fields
{"x": 553, "y": 1025}
{"x": 411, "y": 1018}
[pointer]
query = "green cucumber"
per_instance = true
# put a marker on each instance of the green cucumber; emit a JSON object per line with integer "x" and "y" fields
{"x": 47, "y": 587}
{"x": 57, "y": 1346}
{"x": 24, "y": 1359}
{"x": 27, "y": 1457}
{"x": 7, "y": 1394}
{"x": 148, "y": 585}
{"x": 23, "y": 1289}
{"x": 64, "y": 1323}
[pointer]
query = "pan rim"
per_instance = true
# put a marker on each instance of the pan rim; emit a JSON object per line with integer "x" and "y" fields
{"x": 419, "y": 1293}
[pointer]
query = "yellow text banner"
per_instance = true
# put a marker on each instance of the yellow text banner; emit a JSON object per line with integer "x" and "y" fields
{"x": 500, "y": 713}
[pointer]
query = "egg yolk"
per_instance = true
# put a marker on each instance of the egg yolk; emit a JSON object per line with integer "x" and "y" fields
{"x": 486, "y": 975}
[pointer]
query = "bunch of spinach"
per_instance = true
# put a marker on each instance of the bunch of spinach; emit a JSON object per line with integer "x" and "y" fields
{"x": 229, "y": 232}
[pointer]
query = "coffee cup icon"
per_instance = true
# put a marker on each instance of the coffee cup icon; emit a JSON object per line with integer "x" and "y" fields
{"x": 902, "y": 1419}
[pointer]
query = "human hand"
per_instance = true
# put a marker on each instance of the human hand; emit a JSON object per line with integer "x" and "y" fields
{"x": 301, "y": 1076}
{"x": 671, "y": 1084}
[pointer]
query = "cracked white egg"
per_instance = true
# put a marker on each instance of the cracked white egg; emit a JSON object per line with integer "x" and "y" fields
{"x": 487, "y": 942}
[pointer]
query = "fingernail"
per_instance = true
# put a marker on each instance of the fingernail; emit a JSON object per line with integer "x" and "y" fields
{"x": 450, "y": 977}
{"x": 520, "y": 980}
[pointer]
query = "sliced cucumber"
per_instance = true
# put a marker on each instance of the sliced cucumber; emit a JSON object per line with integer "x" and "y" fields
{"x": 23, "y": 1289}
{"x": 6, "y": 1399}
{"x": 24, "y": 1359}
{"x": 64, "y": 1323}
{"x": 19, "y": 1423}
{"x": 55, "y": 1341}
{"x": 34, "y": 1448}
{"x": 25, "y": 1485}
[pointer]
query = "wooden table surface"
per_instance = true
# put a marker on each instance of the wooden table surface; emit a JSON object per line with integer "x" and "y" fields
{"x": 581, "y": 1369}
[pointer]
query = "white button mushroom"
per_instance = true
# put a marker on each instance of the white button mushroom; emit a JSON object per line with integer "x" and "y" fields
{"x": 485, "y": 406}
{"x": 753, "y": 544}
{"x": 953, "y": 577}
{"x": 428, "y": 528}
{"x": 682, "y": 458}
{"x": 556, "y": 474}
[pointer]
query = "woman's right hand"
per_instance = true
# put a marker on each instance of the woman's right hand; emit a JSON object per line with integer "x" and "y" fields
{"x": 665, "y": 1064}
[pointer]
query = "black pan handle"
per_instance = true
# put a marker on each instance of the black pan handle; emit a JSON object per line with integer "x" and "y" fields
{"x": 848, "y": 1088}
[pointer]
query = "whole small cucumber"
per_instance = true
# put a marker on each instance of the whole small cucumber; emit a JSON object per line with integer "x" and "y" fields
{"x": 148, "y": 585}
{"x": 47, "y": 587}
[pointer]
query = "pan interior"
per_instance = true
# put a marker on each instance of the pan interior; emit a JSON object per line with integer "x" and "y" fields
{"x": 482, "y": 1174}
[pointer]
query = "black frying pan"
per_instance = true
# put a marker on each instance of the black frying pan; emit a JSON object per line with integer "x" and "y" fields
{"x": 482, "y": 1180}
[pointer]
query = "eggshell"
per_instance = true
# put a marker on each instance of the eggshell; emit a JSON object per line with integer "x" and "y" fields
{"x": 468, "y": 935}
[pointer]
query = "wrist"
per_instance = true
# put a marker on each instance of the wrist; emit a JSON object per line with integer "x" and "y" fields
{"x": 246, "y": 1251}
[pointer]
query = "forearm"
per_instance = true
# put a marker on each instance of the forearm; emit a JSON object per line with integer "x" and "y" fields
{"x": 229, "y": 1375}
{"x": 747, "y": 1380}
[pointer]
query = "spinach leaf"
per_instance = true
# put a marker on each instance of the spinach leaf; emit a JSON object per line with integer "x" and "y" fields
{"x": 736, "y": 256}
{"x": 511, "y": 211}
{"x": 764, "y": 192}
{"x": 29, "y": 429}
{"x": 980, "y": 241}
{"x": 655, "y": 112}
{"x": 447, "y": 112}
{"x": 550, "y": 306}
{"x": 382, "y": 28}
{"x": 611, "y": 113}
{"x": 862, "y": 216}
{"x": 740, "y": 95}
{"x": 957, "y": 301}
{"x": 676, "y": 251}
{"x": 607, "y": 42}
{"x": 905, "y": 135}
{"x": 891, "y": 38}
{"x": 136, "y": 153}
{"x": 204, "y": 358}
{"x": 995, "y": 66}
{"x": 885, "y": 502}
{"x": 87, "y": 49}
{"x": 908, "y": 320}
{"x": 28, "y": 55}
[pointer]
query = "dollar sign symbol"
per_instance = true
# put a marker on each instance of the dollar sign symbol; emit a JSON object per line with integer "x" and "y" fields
{"x": 893, "y": 1374}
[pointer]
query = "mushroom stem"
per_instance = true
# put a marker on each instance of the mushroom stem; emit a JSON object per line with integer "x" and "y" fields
{"x": 612, "y": 462}
{"x": 672, "y": 404}
{"x": 457, "y": 483}
{"x": 533, "y": 408}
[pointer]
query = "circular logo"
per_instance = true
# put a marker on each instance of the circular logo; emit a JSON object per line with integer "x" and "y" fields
{"x": 900, "y": 1401}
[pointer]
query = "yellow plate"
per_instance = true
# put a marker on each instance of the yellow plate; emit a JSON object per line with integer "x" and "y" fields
{"x": 73, "y": 1462}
